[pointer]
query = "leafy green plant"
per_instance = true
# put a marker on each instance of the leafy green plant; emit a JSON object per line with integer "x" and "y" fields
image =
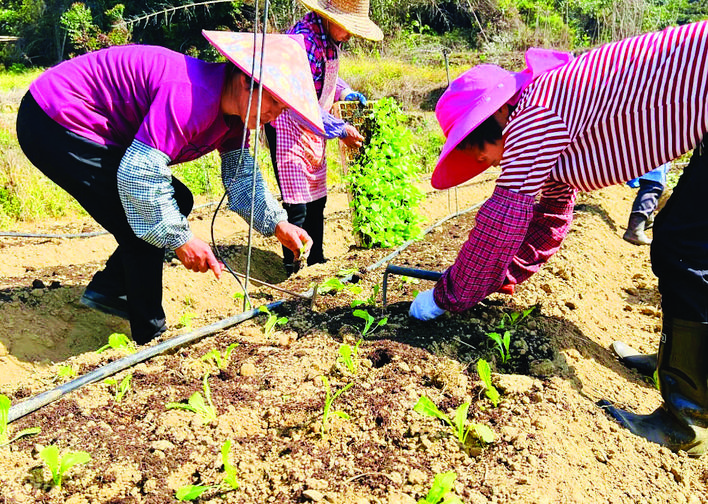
{"x": 5, "y": 427}
{"x": 119, "y": 389}
{"x": 217, "y": 358}
{"x": 369, "y": 321}
{"x": 66, "y": 372}
{"x": 329, "y": 400}
{"x": 59, "y": 464}
{"x": 191, "y": 492}
{"x": 426, "y": 407}
{"x": 119, "y": 341}
{"x": 197, "y": 404}
{"x": 230, "y": 482}
{"x": 441, "y": 487}
{"x": 349, "y": 356}
{"x": 371, "y": 300}
{"x": 384, "y": 197}
{"x": 514, "y": 318}
{"x": 485, "y": 374}
{"x": 272, "y": 321}
{"x": 502, "y": 343}
{"x": 186, "y": 320}
{"x": 230, "y": 478}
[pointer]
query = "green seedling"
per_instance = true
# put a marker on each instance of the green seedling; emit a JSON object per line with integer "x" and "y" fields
{"x": 66, "y": 372}
{"x": 240, "y": 296}
{"x": 426, "y": 407}
{"x": 58, "y": 465}
{"x": 186, "y": 320}
{"x": 273, "y": 320}
{"x": 191, "y": 492}
{"x": 4, "y": 426}
{"x": 197, "y": 404}
{"x": 118, "y": 341}
{"x": 502, "y": 343}
{"x": 369, "y": 321}
{"x": 230, "y": 476}
{"x": 333, "y": 284}
{"x": 329, "y": 400}
{"x": 515, "y": 318}
{"x": 217, "y": 358}
{"x": 371, "y": 300}
{"x": 485, "y": 374}
{"x": 349, "y": 356}
{"x": 438, "y": 493}
{"x": 119, "y": 389}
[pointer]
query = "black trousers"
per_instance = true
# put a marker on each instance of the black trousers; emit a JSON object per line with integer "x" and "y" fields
{"x": 679, "y": 249}
{"x": 87, "y": 171}
{"x": 309, "y": 216}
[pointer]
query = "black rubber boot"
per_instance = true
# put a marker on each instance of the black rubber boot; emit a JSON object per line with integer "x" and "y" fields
{"x": 635, "y": 230}
{"x": 644, "y": 363}
{"x": 681, "y": 423}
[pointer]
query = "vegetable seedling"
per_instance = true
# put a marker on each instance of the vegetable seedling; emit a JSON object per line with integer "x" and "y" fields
{"x": 349, "y": 356}
{"x": 4, "y": 426}
{"x": 502, "y": 343}
{"x": 230, "y": 470}
{"x": 273, "y": 320}
{"x": 59, "y": 464}
{"x": 119, "y": 389}
{"x": 514, "y": 318}
{"x": 186, "y": 320}
{"x": 191, "y": 492}
{"x": 426, "y": 407}
{"x": 66, "y": 372}
{"x": 118, "y": 341}
{"x": 197, "y": 404}
{"x": 369, "y": 320}
{"x": 485, "y": 374}
{"x": 217, "y": 358}
{"x": 329, "y": 399}
{"x": 371, "y": 300}
{"x": 441, "y": 487}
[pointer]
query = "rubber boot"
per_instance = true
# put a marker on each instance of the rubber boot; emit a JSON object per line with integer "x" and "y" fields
{"x": 681, "y": 423}
{"x": 635, "y": 230}
{"x": 644, "y": 363}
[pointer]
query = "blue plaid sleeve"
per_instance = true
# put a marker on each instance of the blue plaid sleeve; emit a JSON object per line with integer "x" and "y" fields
{"x": 237, "y": 170}
{"x": 145, "y": 189}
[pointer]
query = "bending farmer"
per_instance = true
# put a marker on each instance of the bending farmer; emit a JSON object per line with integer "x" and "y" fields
{"x": 106, "y": 127}
{"x": 576, "y": 125}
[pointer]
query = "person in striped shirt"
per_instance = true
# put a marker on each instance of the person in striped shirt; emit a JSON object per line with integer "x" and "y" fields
{"x": 568, "y": 124}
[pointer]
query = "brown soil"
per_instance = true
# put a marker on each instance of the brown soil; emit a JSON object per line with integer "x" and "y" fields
{"x": 553, "y": 444}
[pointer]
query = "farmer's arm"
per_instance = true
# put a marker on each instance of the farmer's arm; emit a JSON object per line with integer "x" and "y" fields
{"x": 237, "y": 171}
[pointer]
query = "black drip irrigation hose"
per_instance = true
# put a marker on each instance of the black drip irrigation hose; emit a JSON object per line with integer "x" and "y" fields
{"x": 44, "y": 398}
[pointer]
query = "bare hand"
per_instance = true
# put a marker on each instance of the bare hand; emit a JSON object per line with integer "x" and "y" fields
{"x": 353, "y": 138}
{"x": 198, "y": 256}
{"x": 294, "y": 238}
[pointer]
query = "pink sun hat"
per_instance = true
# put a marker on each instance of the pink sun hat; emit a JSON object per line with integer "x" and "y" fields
{"x": 472, "y": 98}
{"x": 286, "y": 71}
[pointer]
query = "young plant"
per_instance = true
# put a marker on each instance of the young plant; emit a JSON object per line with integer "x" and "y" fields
{"x": 369, "y": 320}
{"x": 485, "y": 374}
{"x": 197, "y": 404}
{"x": 273, "y": 320}
{"x": 230, "y": 478}
{"x": 217, "y": 358}
{"x": 329, "y": 400}
{"x": 515, "y": 318}
{"x": 239, "y": 296}
{"x": 502, "y": 343}
{"x": 191, "y": 492}
{"x": 426, "y": 407}
{"x": 349, "y": 356}
{"x": 4, "y": 426}
{"x": 66, "y": 372}
{"x": 186, "y": 320}
{"x": 119, "y": 389}
{"x": 371, "y": 300}
{"x": 438, "y": 493}
{"x": 118, "y": 341}
{"x": 59, "y": 464}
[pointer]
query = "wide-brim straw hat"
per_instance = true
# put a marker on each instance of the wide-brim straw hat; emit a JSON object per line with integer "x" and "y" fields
{"x": 352, "y": 15}
{"x": 474, "y": 97}
{"x": 286, "y": 71}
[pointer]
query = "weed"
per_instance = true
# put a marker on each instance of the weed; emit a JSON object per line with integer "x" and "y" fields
{"x": 369, "y": 321}
{"x": 118, "y": 341}
{"x": 329, "y": 399}
{"x": 216, "y": 357}
{"x": 349, "y": 356}
{"x": 197, "y": 404}
{"x": 119, "y": 389}
{"x": 438, "y": 493}
{"x": 485, "y": 374}
{"x": 4, "y": 426}
{"x": 272, "y": 321}
{"x": 426, "y": 407}
{"x": 58, "y": 465}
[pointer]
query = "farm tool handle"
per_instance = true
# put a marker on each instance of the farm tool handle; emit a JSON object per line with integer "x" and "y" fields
{"x": 392, "y": 269}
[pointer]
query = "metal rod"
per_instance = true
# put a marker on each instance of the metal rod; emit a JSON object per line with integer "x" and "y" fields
{"x": 392, "y": 269}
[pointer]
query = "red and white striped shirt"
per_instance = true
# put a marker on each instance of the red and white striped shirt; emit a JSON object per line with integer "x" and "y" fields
{"x": 608, "y": 116}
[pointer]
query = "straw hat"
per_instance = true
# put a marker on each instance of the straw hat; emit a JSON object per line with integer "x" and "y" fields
{"x": 352, "y": 15}
{"x": 286, "y": 71}
{"x": 472, "y": 98}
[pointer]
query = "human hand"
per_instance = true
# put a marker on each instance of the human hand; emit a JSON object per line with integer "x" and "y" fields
{"x": 198, "y": 256}
{"x": 351, "y": 137}
{"x": 356, "y": 96}
{"x": 294, "y": 238}
{"x": 424, "y": 306}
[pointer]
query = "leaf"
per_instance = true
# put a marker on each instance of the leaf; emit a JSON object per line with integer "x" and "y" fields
{"x": 461, "y": 420}
{"x": 190, "y": 492}
{"x": 426, "y": 407}
{"x": 483, "y": 432}
{"x": 73, "y": 458}
{"x": 442, "y": 484}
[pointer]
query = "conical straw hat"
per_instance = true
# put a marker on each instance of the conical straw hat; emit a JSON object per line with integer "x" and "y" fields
{"x": 352, "y": 15}
{"x": 286, "y": 71}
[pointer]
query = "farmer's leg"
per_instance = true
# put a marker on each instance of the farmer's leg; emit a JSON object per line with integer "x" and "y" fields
{"x": 297, "y": 213}
{"x": 314, "y": 225}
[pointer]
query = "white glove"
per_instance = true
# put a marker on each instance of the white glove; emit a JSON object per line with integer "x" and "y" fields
{"x": 424, "y": 307}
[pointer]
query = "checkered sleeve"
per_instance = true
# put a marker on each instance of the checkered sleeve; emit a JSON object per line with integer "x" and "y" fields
{"x": 552, "y": 217}
{"x": 145, "y": 189}
{"x": 481, "y": 265}
{"x": 237, "y": 171}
